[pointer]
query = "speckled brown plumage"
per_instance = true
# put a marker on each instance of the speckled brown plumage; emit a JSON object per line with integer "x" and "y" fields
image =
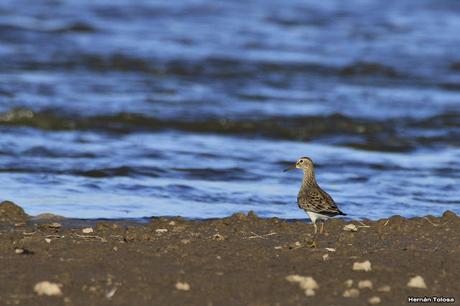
{"x": 316, "y": 202}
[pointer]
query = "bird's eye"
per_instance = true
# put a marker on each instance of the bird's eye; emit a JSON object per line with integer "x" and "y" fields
{"x": 301, "y": 161}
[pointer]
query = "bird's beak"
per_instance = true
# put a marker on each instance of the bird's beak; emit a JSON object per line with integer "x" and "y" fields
{"x": 290, "y": 168}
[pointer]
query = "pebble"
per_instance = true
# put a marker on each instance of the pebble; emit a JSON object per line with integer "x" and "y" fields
{"x": 330, "y": 249}
{"x": 385, "y": 288}
{"x": 47, "y": 240}
{"x": 350, "y": 228}
{"x": 351, "y": 293}
{"x": 161, "y": 230}
{"x": 19, "y": 251}
{"x": 54, "y": 225}
{"x": 365, "y": 284}
{"x": 325, "y": 257}
{"x": 47, "y": 288}
{"x": 349, "y": 283}
{"x": 87, "y": 230}
{"x": 184, "y": 286}
{"x": 295, "y": 245}
{"x": 217, "y": 236}
{"x": 374, "y": 300}
{"x": 362, "y": 266}
{"x": 417, "y": 282}
{"x": 307, "y": 283}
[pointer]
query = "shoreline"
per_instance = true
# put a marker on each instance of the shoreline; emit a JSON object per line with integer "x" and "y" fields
{"x": 237, "y": 260}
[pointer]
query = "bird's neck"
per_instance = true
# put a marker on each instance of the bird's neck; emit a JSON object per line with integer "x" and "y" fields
{"x": 309, "y": 179}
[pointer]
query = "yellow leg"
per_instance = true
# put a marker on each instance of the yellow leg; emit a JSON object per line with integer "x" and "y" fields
{"x": 313, "y": 243}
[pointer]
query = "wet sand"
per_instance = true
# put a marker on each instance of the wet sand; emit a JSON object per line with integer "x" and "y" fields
{"x": 239, "y": 260}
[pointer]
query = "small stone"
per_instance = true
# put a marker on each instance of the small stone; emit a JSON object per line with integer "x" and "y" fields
{"x": 184, "y": 286}
{"x": 362, "y": 266}
{"x": 278, "y": 247}
{"x": 365, "y": 284}
{"x": 47, "y": 240}
{"x": 348, "y": 283}
{"x": 172, "y": 223}
{"x": 330, "y": 249}
{"x": 325, "y": 257}
{"x": 350, "y": 228}
{"x": 185, "y": 241}
{"x": 47, "y": 288}
{"x": 161, "y": 230}
{"x": 115, "y": 248}
{"x": 54, "y": 225}
{"x": 217, "y": 236}
{"x": 19, "y": 251}
{"x": 385, "y": 288}
{"x": 351, "y": 293}
{"x": 307, "y": 283}
{"x": 417, "y": 282}
{"x": 374, "y": 300}
{"x": 87, "y": 230}
{"x": 111, "y": 293}
{"x": 295, "y": 245}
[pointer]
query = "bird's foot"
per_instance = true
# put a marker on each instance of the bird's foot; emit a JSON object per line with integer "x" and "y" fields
{"x": 312, "y": 244}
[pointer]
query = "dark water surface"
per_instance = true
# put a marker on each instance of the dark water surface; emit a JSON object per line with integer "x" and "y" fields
{"x": 136, "y": 108}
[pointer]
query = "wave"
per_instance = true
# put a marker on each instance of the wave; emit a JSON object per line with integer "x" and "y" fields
{"x": 76, "y": 27}
{"x": 212, "y": 66}
{"x": 402, "y": 134}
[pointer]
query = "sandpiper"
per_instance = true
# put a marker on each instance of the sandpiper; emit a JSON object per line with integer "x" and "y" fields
{"x": 316, "y": 202}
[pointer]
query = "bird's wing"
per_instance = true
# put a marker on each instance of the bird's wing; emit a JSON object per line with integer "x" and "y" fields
{"x": 318, "y": 201}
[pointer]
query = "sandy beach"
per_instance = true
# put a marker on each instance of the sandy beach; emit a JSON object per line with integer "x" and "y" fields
{"x": 239, "y": 260}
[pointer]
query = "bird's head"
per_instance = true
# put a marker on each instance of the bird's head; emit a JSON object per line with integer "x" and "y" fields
{"x": 304, "y": 163}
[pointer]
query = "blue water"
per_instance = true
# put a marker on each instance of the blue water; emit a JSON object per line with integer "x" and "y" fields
{"x": 126, "y": 109}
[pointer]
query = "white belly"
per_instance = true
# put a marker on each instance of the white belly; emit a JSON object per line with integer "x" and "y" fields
{"x": 314, "y": 216}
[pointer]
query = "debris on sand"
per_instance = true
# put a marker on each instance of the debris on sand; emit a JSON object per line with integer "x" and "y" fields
{"x": 350, "y": 228}
{"x": 351, "y": 293}
{"x": 184, "y": 286}
{"x": 218, "y": 237}
{"x": 325, "y": 257}
{"x": 22, "y": 251}
{"x": 348, "y": 283}
{"x": 365, "y": 284}
{"x": 161, "y": 230}
{"x": 374, "y": 300}
{"x": 87, "y": 230}
{"x": 362, "y": 266}
{"x": 330, "y": 249}
{"x": 53, "y": 225}
{"x": 111, "y": 293}
{"x": 47, "y": 288}
{"x": 307, "y": 283}
{"x": 385, "y": 288}
{"x": 417, "y": 282}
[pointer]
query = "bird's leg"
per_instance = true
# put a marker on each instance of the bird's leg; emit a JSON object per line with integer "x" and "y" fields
{"x": 322, "y": 228}
{"x": 313, "y": 243}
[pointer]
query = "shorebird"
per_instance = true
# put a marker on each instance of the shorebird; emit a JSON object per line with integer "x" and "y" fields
{"x": 316, "y": 202}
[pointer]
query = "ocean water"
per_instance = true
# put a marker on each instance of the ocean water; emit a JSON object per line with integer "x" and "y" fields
{"x": 129, "y": 109}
